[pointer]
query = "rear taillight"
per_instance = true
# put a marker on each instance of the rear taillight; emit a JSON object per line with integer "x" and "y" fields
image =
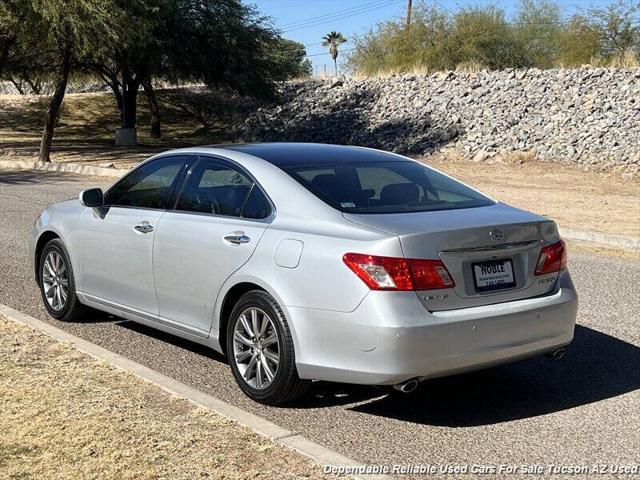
{"x": 390, "y": 273}
{"x": 553, "y": 258}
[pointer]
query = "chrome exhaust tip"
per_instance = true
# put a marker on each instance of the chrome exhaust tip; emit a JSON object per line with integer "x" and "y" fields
{"x": 557, "y": 354}
{"x": 406, "y": 387}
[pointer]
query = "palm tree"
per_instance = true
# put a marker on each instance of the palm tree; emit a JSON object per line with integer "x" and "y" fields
{"x": 332, "y": 40}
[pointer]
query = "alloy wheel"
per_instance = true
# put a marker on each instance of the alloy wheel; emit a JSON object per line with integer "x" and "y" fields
{"x": 256, "y": 348}
{"x": 55, "y": 281}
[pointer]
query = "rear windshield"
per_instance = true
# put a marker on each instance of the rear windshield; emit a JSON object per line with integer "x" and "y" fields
{"x": 385, "y": 187}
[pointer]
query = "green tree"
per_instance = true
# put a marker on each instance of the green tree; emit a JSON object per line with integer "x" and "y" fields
{"x": 537, "y": 28}
{"x": 222, "y": 43}
{"x": 394, "y": 46}
{"x": 289, "y": 59}
{"x": 8, "y": 33}
{"x": 618, "y": 28}
{"x": 333, "y": 40}
{"x": 482, "y": 36}
{"x": 126, "y": 62}
{"x": 62, "y": 33}
{"x": 578, "y": 42}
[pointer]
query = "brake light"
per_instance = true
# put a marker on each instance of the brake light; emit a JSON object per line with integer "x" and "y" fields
{"x": 390, "y": 273}
{"x": 553, "y": 258}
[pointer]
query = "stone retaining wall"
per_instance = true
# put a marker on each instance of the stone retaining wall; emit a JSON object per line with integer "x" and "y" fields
{"x": 590, "y": 117}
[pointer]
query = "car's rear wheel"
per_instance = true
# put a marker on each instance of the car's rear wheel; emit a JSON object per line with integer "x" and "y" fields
{"x": 57, "y": 284}
{"x": 260, "y": 351}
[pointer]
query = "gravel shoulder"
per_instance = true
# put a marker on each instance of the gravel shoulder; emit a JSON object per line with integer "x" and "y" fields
{"x": 91, "y": 420}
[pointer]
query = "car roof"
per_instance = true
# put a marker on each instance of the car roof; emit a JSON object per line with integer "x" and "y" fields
{"x": 283, "y": 154}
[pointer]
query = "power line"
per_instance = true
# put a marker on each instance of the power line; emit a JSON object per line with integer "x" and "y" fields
{"x": 326, "y": 53}
{"x": 336, "y": 12}
{"x": 387, "y": 3}
{"x": 304, "y": 46}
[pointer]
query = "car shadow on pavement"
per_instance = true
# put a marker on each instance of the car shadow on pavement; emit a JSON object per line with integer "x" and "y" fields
{"x": 597, "y": 366}
{"x": 321, "y": 394}
{"x": 96, "y": 316}
{"x": 172, "y": 339}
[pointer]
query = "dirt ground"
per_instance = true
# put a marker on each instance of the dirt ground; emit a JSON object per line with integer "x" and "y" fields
{"x": 64, "y": 415}
{"x": 85, "y": 131}
{"x": 575, "y": 198}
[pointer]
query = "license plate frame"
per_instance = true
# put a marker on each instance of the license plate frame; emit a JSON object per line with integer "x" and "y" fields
{"x": 493, "y": 281}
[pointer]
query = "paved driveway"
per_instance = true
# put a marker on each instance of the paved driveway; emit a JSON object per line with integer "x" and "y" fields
{"x": 584, "y": 409}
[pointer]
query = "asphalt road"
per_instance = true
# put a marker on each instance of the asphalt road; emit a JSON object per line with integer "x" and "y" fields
{"x": 584, "y": 409}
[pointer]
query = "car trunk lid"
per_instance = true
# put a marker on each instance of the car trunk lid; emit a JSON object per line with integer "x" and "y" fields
{"x": 491, "y": 252}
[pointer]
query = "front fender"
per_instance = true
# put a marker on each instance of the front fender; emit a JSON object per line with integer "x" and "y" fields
{"x": 56, "y": 221}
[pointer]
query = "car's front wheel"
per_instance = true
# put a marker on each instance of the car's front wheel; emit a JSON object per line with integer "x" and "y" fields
{"x": 57, "y": 284}
{"x": 260, "y": 351}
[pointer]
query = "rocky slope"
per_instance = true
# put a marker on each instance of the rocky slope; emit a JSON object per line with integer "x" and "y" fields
{"x": 590, "y": 117}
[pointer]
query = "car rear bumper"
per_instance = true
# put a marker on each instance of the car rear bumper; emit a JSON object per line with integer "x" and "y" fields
{"x": 391, "y": 337}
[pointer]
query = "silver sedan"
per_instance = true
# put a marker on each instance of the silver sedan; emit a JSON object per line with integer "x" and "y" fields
{"x": 306, "y": 262}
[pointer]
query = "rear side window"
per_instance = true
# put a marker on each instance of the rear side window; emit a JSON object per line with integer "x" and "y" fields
{"x": 257, "y": 205}
{"x": 218, "y": 188}
{"x": 386, "y": 187}
{"x": 149, "y": 186}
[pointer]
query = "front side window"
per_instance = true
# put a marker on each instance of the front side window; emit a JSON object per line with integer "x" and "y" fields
{"x": 149, "y": 186}
{"x": 217, "y": 188}
{"x": 385, "y": 187}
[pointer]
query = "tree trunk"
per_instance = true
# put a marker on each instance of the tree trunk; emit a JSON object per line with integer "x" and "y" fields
{"x": 335, "y": 64}
{"x": 130, "y": 86}
{"x": 153, "y": 107}
{"x": 35, "y": 85}
{"x": 17, "y": 85}
{"x": 5, "y": 44}
{"x": 54, "y": 106}
{"x": 118, "y": 94}
{"x": 129, "y": 104}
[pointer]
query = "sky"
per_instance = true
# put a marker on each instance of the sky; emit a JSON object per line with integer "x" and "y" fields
{"x": 307, "y": 21}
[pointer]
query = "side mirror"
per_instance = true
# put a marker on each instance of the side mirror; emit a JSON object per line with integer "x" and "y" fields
{"x": 92, "y": 198}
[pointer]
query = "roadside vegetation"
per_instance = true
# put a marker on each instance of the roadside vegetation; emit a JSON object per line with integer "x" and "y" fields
{"x": 87, "y": 121}
{"x": 481, "y": 37}
{"x": 132, "y": 45}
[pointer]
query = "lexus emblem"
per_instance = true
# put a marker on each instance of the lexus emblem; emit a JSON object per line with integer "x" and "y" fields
{"x": 497, "y": 234}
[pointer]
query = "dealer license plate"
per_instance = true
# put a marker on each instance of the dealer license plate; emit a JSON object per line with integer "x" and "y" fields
{"x": 493, "y": 275}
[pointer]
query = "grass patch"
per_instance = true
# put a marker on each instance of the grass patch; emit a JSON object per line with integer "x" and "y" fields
{"x": 66, "y": 415}
{"x": 86, "y": 128}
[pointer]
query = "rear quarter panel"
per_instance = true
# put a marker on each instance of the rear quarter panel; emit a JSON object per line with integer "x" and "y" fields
{"x": 321, "y": 280}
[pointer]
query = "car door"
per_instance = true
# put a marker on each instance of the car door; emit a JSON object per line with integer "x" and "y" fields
{"x": 218, "y": 220}
{"x": 116, "y": 241}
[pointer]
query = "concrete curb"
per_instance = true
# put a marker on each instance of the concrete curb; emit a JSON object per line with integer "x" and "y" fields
{"x": 292, "y": 440}
{"x": 598, "y": 239}
{"x": 62, "y": 167}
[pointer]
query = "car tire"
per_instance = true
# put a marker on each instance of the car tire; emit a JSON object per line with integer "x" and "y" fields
{"x": 57, "y": 284}
{"x": 243, "y": 349}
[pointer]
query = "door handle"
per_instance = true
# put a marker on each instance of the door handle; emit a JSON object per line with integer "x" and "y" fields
{"x": 144, "y": 227}
{"x": 237, "y": 238}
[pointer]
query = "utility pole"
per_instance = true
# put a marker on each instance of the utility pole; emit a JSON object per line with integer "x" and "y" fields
{"x": 409, "y": 9}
